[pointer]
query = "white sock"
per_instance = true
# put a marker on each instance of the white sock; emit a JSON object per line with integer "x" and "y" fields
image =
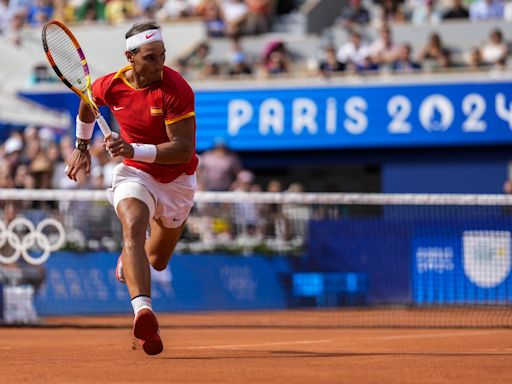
{"x": 140, "y": 302}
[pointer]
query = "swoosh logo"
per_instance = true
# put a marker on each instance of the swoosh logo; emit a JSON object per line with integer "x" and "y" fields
{"x": 118, "y": 108}
{"x": 149, "y": 36}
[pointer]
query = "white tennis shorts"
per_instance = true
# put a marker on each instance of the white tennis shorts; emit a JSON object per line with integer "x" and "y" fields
{"x": 169, "y": 202}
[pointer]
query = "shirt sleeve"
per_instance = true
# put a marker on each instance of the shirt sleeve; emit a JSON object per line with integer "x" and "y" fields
{"x": 99, "y": 88}
{"x": 179, "y": 103}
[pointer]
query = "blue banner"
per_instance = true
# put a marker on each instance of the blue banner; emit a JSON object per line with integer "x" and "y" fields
{"x": 78, "y": 283}
{"x": 472, "y": 266}
{"x": 347, "y": 117}
{"x": 357, "y": 116}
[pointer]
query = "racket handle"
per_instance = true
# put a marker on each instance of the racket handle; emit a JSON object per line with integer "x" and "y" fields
{"x": 105, "y": 129}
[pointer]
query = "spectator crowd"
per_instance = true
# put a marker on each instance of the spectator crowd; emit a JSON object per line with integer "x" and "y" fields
{"x": 361, "y": 52}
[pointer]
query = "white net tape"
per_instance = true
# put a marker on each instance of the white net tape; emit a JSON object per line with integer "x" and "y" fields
{"x": 275, "y": 198}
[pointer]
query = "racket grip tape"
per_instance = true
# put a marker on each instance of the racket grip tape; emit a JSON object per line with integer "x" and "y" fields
{"x": 105, "y": 129}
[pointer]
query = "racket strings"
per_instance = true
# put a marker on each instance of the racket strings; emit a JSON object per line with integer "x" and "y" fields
{"x": 66, "y": 57}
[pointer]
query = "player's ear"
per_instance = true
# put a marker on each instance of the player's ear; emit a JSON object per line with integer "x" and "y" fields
{"x": 129, "y": 56}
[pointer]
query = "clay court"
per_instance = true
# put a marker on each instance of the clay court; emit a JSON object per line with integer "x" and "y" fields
{"x": 211, "y": 349}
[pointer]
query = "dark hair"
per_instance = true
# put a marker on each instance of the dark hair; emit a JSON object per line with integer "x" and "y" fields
{"x": 141, "y": 27}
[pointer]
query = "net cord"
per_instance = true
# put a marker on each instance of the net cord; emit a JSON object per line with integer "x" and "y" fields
{"x": 275, "y": 198}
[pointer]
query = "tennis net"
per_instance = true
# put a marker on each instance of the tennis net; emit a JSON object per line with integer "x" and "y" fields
{"x": 294, "y": 259}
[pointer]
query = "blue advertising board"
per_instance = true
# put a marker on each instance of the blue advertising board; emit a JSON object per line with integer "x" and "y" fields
{"x": 362, "y": 116}
{"x": 467, "y": 266}
{"x": 78, "y": 283}
{"x": 357, "y": 116}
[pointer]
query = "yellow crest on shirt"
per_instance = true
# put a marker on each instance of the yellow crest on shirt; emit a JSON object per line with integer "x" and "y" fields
{"x": 155, "y": 111}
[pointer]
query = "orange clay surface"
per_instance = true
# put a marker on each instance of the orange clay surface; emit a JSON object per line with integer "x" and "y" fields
{"x": 100, "y": 350}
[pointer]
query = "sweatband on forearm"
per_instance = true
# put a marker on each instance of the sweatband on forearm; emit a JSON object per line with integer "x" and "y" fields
{"x": 84, "y": 130}
{"x": 144, "y": 152}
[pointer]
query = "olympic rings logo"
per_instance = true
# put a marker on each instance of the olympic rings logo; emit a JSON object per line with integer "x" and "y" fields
{"x": 15, "y": 236}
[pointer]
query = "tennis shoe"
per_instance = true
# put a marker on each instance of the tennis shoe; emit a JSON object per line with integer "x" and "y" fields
{"x": 119, "y": 271}
{"x": 146, "y": 329}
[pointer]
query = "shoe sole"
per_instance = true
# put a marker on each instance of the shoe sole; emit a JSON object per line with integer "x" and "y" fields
{"x": 145, "y": 329}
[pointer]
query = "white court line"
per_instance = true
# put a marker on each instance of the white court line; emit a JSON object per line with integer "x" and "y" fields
{"x": 321, "y": 341}
{"x": 428, "y": 335}
{"x": 255, "y": 345}
{"x": 492, "y": 349}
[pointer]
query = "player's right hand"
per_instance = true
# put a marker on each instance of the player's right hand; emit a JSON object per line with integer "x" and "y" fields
{"x": 77, "y": 161}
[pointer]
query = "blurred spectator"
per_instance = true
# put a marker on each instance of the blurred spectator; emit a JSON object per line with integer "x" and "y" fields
{"x": 218, "y": 167}
{"x": 275, "y": 225}
{"x": 456, "y": 11}
{"x": 198, "y": 64}
{"x": 392, "y": 11}
{"x": 258, "y": 19}
{"x": 384, "y": 51}
{"x": 473, "y": 59}
{"x": 276, "y": 59}
{"x": 330, "y": 64}
{"x": 426, "y": 13}
{"x": 507, "y": 11}
{"x": 6, "y": 179}
{"x": 173, "y": 9}
{"x": 239, "y": 63}
{"x": 40, "y": 74}
{"x": 486, "y": 10}
{"x": 247, "y": 215}
{"x": 23, "y": 178}
{"x": 16, "y": 23}
{"x": 13, "y": 148}
{"x": 404, "y": 63}
{"x": 235, "y": 13}
{"x": 40, "y": 12}
{"x": 434, "y": 52}
{"x": 495, "y": 50}
{"x": 211, "y": 13}
{"x": 91, "y": 11}
{"x": 507, "y": 187}
{"x": 5, "y": 15}
{"x": 353, "y": 54}
{"x": 119, "y": 11}
{"x": 354, "y": 15}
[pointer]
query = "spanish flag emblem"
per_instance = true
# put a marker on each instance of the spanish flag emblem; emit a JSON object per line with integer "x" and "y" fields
{"x": 155, "y": 111}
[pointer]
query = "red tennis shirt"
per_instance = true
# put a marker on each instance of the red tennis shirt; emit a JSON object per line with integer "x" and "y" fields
{"x": 143, "y": 113}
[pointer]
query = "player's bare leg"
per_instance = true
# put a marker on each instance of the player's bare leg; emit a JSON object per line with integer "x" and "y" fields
{"x": 134, "y": 216}
{"x": 161, "y": 244}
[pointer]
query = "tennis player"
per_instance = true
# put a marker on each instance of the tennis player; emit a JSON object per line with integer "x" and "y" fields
{"x": 155, "y": 184}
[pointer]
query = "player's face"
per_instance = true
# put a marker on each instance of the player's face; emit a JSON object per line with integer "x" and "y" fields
{"x": 149, "y": 61}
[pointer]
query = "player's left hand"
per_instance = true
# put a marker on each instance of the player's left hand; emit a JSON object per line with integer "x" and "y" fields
{"x": 117, "y": 147}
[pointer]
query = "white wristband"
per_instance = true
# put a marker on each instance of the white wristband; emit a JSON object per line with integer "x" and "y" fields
{"x": 84, "y": 130}
{"x": 144, "y": 152}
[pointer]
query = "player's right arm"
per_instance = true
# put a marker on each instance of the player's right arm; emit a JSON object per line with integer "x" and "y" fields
{"x": 81, "y": 158}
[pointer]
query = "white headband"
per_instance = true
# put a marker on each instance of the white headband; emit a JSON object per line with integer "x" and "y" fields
{"x": 135, "y": 41}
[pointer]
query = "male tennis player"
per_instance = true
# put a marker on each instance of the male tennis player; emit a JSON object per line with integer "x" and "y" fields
{"x": 156, "y": 183}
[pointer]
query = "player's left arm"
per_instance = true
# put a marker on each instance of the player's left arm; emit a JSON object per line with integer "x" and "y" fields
{"x": 181, "y": 145}
{"x": 178, "y": 150}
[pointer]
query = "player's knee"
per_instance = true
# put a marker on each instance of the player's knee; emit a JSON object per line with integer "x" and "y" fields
{"x": 158, "y": 262}
{"x": 159, "y": 266}
{"x": 134, "y": 233}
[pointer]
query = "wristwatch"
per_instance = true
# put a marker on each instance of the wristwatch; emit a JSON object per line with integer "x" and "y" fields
{"x": 82, "y": 145}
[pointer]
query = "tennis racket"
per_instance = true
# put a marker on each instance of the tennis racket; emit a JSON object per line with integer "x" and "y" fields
{"x": 68, "y": 61}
